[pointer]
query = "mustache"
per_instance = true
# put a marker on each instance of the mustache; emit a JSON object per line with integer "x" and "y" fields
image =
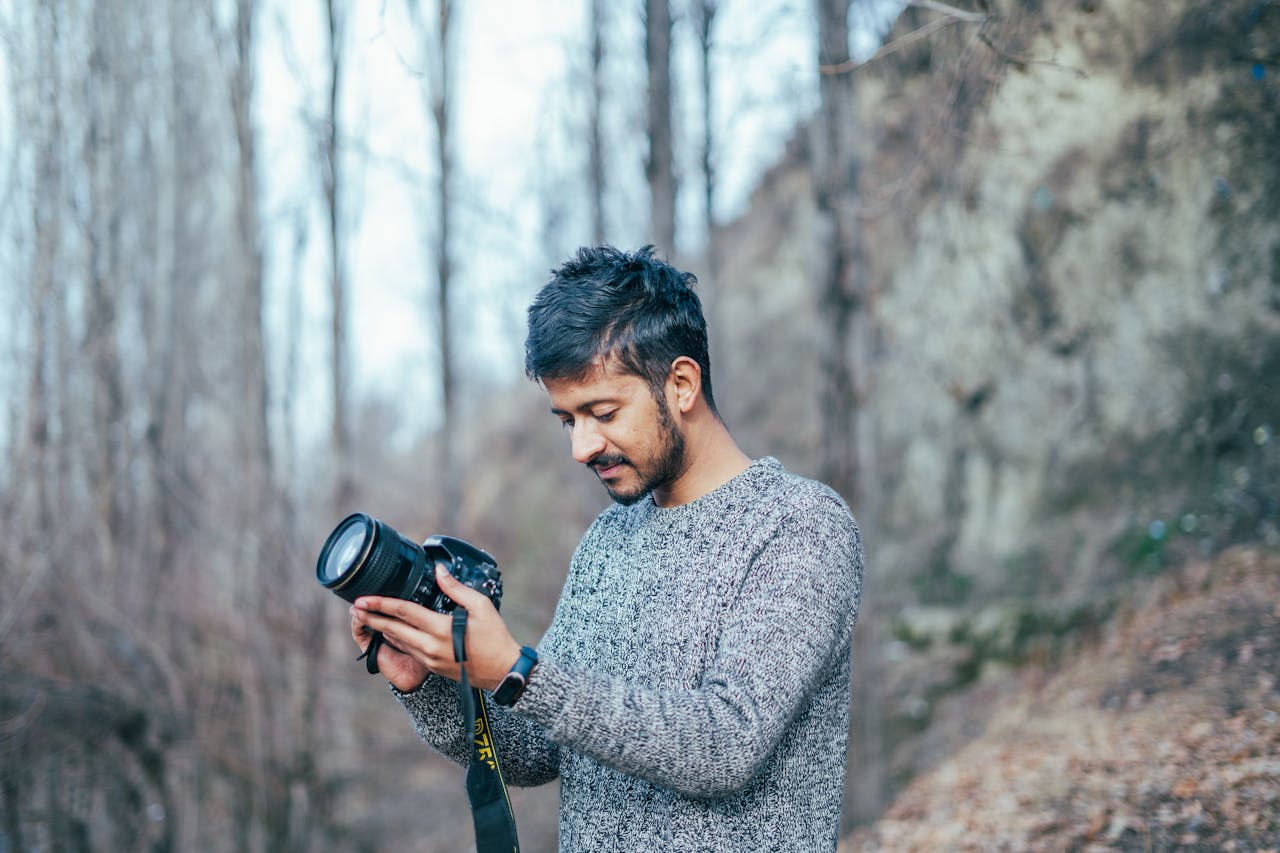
{"x": 603, "y": 461}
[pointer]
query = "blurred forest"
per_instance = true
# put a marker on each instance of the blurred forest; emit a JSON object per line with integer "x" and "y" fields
{"x": 1006, "y": 274}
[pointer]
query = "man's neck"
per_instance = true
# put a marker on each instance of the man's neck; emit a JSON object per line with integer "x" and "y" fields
{"x": 712, "y": 458}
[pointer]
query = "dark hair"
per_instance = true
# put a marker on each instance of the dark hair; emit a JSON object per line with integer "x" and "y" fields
{"x": 603, "y": 302}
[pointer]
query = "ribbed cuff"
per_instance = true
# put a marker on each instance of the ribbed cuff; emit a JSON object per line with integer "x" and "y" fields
{"x": 435, "y": 697}
{"x": 546, "y": 694}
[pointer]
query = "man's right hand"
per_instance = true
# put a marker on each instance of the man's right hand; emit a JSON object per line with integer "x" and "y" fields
{"x": 404, "y": 673}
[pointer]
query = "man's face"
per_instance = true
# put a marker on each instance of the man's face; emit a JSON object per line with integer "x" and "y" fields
{"x": 620, "y": 431}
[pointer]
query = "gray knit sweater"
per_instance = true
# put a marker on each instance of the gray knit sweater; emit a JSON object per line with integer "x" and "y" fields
{"x": 693, "y": 689}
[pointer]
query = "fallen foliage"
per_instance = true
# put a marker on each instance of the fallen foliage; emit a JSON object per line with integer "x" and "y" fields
{"x": 1166, "y": 735}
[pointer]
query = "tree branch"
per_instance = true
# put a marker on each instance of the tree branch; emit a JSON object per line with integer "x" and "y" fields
{"x": 1023, "y": 62}
{"x": 892, "y": 47}
{"x": 952, "y": 11}
{"x": 949, "y": 15}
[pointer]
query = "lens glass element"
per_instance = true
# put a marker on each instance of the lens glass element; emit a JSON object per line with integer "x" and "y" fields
{"x": 344, "y": 553}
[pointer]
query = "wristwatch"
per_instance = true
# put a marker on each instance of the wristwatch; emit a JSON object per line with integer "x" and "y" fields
{"x": 512, "y": 686}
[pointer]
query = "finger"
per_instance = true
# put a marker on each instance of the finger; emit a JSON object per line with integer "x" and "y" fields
{"x": 400, "y": 637}
{"x": 362, "y": 623}
{"x": 425, "y": 631}
{"x": 389, "y": 624}
{"x": 461, "y": 594}
{"x": 406, "y": 611}
{"x": 378, "y": 603}
{"x": 359, "y": 631}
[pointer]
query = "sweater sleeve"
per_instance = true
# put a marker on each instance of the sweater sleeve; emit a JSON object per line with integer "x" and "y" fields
{"x": 526, "y": 755}
{"x": 788, "y": 631}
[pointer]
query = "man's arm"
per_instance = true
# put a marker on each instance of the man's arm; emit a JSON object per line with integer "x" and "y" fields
{"x": 417, "y": 660}
{"x": 788, "y": 632}
{"x": 525, "y": 753}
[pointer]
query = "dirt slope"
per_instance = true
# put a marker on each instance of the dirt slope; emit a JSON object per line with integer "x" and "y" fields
{"x": 1164, "y": 735}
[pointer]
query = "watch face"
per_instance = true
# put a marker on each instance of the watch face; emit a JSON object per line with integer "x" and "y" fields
{"x": 512, "y": 686}
{"x": 510, "y": 689}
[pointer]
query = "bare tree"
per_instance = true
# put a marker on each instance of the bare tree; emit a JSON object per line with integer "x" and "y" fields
{"x": 660, "y": 162}
{"x": 845, "y": 305}
{"x": 261, "y": 543}
{"x": 842, "y": 293}
{"x": 250, "y": 290}
{"x": 334, "y": 196}
{"x": 595, "y": 122}
{"x": 78, "y": 524}
{"x": 436, "y": 48}
{"x": 101, "y": 348}
{"x": 704, "y": 18}
{"x": 163, "y": 686}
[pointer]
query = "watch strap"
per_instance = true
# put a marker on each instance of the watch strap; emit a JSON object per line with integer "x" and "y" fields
{"x": 512, "y": 686}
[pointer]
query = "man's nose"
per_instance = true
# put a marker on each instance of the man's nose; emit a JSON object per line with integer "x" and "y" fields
{"x": 588, "y": 443}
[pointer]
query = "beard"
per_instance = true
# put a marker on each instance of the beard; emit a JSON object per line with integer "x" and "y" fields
{"x": 665, "y": 466}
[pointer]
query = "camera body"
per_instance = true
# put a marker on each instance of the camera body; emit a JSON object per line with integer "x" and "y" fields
{"x": 364, "y": 556}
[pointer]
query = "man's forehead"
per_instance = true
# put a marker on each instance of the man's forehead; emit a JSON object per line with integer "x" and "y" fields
{"x": 605, "y": 379}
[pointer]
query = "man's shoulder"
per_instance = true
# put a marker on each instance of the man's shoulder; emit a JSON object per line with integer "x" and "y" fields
{"x": 789, "y": 491}
{"x": 811, "y": 520}
{"x": 802, "y": 509}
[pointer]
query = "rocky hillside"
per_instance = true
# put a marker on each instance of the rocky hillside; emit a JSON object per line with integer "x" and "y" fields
{"x": 1071, "y": 214}
{"x": 1163, "y": 735}
{"x": 1072, "y": 225}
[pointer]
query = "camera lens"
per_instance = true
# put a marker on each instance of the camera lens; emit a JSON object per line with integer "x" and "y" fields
{"x": 347, "y": 546}
{"x": 363, "y": 556}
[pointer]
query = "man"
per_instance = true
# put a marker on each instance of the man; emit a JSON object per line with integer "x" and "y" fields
{"x": 692, "y": 692}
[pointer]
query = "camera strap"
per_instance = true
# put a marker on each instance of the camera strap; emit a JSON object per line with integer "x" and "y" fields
{"x": 370, "y": 653}
{"x": 490, "y": 806}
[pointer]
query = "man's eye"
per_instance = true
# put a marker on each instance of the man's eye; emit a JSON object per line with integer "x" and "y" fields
{"x": 605, "y": 417}
{"x": 567, "y": 423}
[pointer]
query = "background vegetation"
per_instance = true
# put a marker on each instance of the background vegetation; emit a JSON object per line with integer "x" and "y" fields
{"x": 1007, "y": 275}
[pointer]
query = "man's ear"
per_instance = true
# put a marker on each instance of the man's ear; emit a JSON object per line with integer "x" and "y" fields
{"x": 684, "y": 383}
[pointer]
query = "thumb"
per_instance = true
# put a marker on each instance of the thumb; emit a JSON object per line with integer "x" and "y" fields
{"x": 462, "y": 595}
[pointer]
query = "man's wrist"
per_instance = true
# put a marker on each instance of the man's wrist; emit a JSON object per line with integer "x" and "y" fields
{"x": 512, "y": 686}
{"x": 410, "y": 688}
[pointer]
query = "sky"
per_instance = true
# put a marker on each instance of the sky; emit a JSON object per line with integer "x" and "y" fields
{"x": 519, "y": 143}
{"x": 520, "y": 150}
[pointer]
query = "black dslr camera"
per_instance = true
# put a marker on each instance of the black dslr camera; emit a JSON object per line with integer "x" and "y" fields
{"x": 364, "y": 556}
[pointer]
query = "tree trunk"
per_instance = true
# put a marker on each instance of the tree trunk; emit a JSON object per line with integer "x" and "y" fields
{"x": 435, "y": 41}
{"x": 101, "y": 349}
{"x": 442, "y": 112}
{"x": 660, "y": 165}
{"x": 331, "y": 169}
{"x": 254, "y": 416}
{"x": 704, "y": 22}
{"x": 257, "y": 543}
{"x": 595, "y": 121}
{"x": 845, "y": 305}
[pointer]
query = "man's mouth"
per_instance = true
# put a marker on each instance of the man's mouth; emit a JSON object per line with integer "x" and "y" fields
{"x": 607, "y": 466}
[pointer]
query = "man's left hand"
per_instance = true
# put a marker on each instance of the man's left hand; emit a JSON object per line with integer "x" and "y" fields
{"x": 427, "y": 636}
